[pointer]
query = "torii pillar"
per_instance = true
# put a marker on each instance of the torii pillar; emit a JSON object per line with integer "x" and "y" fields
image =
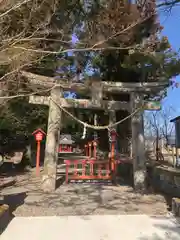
{"x": 138, "y": 143}
{"x": 52, "y": 142}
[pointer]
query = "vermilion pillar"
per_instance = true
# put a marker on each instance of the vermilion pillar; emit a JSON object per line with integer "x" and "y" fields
{"x": 90, "y": 145}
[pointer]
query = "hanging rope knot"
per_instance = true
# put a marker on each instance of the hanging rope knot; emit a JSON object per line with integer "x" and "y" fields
{"x": 108, "y": 128}
{"x": 84, "y": 131}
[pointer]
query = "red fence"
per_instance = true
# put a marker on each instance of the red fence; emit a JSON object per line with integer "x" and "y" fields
{"x": 87, "y": 170}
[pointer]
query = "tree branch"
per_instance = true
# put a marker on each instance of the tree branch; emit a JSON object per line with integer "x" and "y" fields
{"x": 168, "y": 3}
{"x": 18, "y": 5}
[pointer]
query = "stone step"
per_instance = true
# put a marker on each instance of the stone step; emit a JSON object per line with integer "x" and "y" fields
{"x": 6, "y": 182}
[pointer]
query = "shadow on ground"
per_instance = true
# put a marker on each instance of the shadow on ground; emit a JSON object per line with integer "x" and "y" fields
{"x": 11, "y": 170}
{"x": 13, "y": 201}
{"x": 171, "y": 230}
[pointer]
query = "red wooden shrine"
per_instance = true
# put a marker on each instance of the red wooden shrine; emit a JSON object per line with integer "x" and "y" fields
{"x": 65, "y": 144}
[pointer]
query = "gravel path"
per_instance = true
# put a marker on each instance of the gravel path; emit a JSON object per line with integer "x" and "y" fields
{"x": 26, "y": 199}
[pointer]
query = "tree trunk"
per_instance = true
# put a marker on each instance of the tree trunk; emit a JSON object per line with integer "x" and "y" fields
{"x": 3, "y": 92}
{"x": 52, "y": 143}
{"x": 138, "y": 145}
{"x": 157, "y": 144}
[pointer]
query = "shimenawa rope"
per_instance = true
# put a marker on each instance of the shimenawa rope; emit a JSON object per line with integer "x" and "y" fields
{"x": 86, "y": 125}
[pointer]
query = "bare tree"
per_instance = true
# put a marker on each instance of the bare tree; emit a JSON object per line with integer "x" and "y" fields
{"x": 158, "y": 126}
{"x": 167, "y": 3}
{"x": 30, "y": 30}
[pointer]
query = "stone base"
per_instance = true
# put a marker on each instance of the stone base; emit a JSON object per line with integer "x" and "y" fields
{"x": 48, "y": 183}
{"x": 4, "y": 217}
{"x": 140, "y": 180}
{"x": 176, "y": 206}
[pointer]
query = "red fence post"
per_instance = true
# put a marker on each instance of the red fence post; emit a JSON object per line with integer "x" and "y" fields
{"x": 90, "y": 145}
{"x": 95, "y": 149}
{"x": 99, "y": 170}
{"x": 107, "y": 170}
{"x": 91, "y": 168}
{"x": 75, "y": 168}
{"x": 83, "y": 168}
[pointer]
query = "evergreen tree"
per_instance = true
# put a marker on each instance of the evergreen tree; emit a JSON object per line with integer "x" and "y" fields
{"x": 118, "y": 40}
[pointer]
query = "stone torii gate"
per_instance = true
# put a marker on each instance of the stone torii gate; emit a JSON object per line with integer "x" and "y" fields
{"x": 95, "y": 89}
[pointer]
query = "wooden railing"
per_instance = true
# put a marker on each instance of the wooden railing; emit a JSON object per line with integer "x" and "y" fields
{"x": 87, "y": 170}
{"x": 90, "y": 167}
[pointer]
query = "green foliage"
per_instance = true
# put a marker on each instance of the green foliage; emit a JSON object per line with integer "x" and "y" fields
{"x": 20, "y": 116}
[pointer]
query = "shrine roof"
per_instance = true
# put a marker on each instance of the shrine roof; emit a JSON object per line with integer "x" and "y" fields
{"x": 175, "y": 119}
{"x": 66, "y": 139}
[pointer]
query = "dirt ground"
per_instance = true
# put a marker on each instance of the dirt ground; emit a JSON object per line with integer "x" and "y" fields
{"x": 26, "y": 198}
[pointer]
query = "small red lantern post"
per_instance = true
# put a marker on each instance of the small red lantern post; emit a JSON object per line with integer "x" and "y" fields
{"x": 39, "y": 134}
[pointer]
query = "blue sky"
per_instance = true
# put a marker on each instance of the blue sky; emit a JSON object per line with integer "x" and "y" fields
{"x": 171, "y": 23}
